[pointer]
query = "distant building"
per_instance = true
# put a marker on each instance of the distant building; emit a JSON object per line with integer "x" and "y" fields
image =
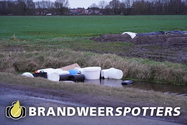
{"x": 82, "y": 11}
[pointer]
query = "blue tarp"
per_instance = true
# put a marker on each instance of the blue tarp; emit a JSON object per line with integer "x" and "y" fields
{"x": 161, "y": 33}
{"x": 176, "y": 32}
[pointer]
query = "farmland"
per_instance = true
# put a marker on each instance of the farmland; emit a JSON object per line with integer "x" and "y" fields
{"x": 42, "y": 27}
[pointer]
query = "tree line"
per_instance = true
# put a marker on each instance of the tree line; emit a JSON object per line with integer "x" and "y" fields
{"x": 114, "y": 7}
{"x": 28, "y": 7}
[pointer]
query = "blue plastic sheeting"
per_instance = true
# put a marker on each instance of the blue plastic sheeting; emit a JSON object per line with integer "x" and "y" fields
{"x": 151, "y": 33}
{"x": 176, "y": 32}
{"x": 161, "y": 33}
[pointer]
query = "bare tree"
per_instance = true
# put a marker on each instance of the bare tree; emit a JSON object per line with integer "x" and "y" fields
{"x": 62, "y": 6}
{"x": 122, "y": 8}
{"x": 26, "y": 5}
{"x": 139, "y": 7}
{"x": 115, "y": 5}
{"x": 93, "y": 6}
{"x": 102, "y": 4}
{"x": 44, "y": 7}
{"x": 128, "y": 5}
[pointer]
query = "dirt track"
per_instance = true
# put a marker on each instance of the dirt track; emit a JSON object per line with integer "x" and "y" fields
{"x": 168, "y": 47}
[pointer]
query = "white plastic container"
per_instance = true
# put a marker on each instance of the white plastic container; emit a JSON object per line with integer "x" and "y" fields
{"x": 46, "y": 70}
{"x": 104, "y": 73}
{"x": 28, "y": 74}
{"x": 113, "y": 73}
{"x": 53, "y": 76}
{"x": 81, "y": 70}
{"x": 92, "y": 72}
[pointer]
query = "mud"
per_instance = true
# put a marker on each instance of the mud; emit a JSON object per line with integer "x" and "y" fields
{"x": 167, "y": 47}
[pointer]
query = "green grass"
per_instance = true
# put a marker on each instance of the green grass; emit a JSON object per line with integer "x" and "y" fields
{"x": 42, "y": 27}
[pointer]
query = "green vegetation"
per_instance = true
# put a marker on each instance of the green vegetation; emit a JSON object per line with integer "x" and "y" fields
{"x": 42, "y": 27}
{"x": 185, "y": 49}
{"x": 31, "y": 43}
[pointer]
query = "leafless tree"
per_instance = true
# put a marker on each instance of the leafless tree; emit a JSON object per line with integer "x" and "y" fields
{"x": 157, "y": 7}
{"x": 61, "y": 6}
{"x": 26, "y": 5}
{"x": 44, "y": 7}
{"x": 61, "y": 3}
{"x": 115, "y": 5}
{"x": 102, "y": 4}
{"x": 93, "y": 6}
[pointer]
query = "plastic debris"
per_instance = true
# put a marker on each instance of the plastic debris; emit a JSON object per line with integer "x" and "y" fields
{"x": 127, "y": 82}
{"x": 131, "y": 34}
{"x": 70, "y": 67}
{"x": 75, "y": 73}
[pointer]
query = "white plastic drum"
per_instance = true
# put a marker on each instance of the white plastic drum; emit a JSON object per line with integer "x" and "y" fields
{"x": 92, "y": 72}
{"x": 104, "y": 73}
{"x": 53, "y": 76}
{"x": 46, "y": 70}
{"x": 113, "y": 73}
{"x": 28, "y": 74}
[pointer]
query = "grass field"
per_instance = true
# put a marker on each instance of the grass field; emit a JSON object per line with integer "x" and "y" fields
{"x": 43, "y": 27}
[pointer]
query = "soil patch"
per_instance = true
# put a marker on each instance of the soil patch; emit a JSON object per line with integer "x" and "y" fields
{"x": 113, "y": 38}
{"x": 164, "y": 47}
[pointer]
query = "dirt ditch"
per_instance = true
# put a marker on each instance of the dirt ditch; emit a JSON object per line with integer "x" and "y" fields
{"x": 163, "y": 47}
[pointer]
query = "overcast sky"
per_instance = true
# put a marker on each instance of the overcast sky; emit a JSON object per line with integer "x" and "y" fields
{"x": 83, "y": 3}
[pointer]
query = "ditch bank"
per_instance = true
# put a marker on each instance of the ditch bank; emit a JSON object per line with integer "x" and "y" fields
{"x": 162, "y": 72}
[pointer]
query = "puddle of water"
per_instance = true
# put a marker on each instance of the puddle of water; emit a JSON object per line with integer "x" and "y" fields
{"x": 167, "y": 89}
{"x": 106, "y": 82}
{"x": 57, "y": 101}
{"x": 148, "y": 86}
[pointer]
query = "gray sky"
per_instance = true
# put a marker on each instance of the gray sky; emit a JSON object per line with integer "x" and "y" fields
{"x": 84, "y": 3}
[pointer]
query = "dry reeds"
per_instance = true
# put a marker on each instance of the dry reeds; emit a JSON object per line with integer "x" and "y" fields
{"x": 166, "y": 72}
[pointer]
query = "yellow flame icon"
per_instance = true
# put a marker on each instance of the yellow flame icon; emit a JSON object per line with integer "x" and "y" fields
{"x": 16, "y": 109}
